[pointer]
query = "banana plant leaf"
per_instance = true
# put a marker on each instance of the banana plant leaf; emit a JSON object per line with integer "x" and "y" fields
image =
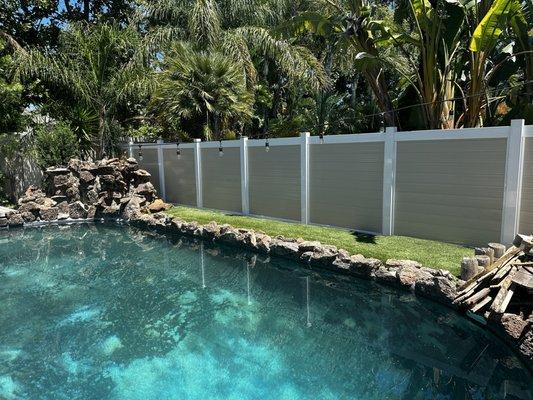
{"x": 491, "y": 26}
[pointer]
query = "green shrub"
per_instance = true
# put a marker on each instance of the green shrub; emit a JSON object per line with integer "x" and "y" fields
{"x": 55, "y": 144}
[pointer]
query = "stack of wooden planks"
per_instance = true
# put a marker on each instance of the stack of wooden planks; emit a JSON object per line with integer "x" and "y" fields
{"x": 504, "y": 286}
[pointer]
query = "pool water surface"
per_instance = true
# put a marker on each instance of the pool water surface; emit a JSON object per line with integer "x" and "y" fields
{"x": 112, "y": 312}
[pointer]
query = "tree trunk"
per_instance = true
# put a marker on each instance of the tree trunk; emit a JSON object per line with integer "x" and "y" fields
{"x": 379, "y": 87}
{"x": 101, "y": 132}
{"x": 86, "y": 10}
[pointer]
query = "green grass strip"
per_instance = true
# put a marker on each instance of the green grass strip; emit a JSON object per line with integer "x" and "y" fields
{"x": 428, "y": 252}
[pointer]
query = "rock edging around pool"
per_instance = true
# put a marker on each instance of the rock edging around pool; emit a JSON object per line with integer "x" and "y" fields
{"x": 436, "y": 284}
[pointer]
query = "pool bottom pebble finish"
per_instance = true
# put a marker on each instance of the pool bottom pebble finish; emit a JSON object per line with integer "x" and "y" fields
{"x": 105, "y": 312}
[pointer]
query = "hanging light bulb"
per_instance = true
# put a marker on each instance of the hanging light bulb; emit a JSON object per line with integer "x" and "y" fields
{"x": 267, "y": 146}
{"x": 140, "y": 153}
{"x": 321, "y": 138}
{"x": 381, "y": 123}
{"x": 220, "y": 149}
{"x": 178, "y": 150}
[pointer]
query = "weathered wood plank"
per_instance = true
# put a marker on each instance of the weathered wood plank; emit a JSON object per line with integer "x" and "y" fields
{"x": 477, "y": 296}
{"x": 507, "y": 299}
{"x": 481, "y": 304}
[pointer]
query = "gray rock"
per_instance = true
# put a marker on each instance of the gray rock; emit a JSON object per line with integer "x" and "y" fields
{"x": 145, "y": 189}
{"x": 409, "y": 274}
{"x": 310, "y": 246}
{"x": 15, "y": 219}
{"x": 3, "y": 222}
{"x": 284, "y": 249}
{"x": 86, "y": 177}
{"x": 48, "y": 214}
{"x": 91, "y": 212}
{"x": 386, "y": 274}
{"x": 28, "y": 216}
{"x": 525, "y": 344}
{"x": 211, "y": 230}
{"x": 30, "y": 206}
{"x": 141, "y": 176}
{"x": 77, "y": 210}
{"x": 263, "y": 242}
{"x": 438, "y": 288}
{"x": 364, "y": 267}
{"x": 232, "y": 237}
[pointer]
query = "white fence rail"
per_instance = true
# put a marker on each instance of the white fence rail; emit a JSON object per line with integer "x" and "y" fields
{"x": 466, "y": 186}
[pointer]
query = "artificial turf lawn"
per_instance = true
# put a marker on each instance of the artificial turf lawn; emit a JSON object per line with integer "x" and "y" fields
{"x": 428, "y": 252}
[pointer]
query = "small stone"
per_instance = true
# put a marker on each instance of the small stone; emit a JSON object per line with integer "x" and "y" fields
{"x": 3, "y": 222}
{"x": 159, "y": 205}
{"x": 62, "y": 216}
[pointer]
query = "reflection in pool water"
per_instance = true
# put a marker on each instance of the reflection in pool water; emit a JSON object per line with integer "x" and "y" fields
{"x": 103, "y": 312}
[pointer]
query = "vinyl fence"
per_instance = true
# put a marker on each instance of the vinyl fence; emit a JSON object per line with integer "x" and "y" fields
{"x": 469, "y": 186}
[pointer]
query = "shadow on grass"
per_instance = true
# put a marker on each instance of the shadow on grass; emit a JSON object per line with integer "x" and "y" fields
{"x": 364, "y": 237}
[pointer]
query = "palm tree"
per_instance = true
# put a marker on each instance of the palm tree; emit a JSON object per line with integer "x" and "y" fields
{"x": 238, "y": 29}
{"x": 205, "y": 85}
{"x": 100, "y": 66}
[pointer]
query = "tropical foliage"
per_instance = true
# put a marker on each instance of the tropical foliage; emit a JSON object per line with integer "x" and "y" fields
{"x": 213, "y": 69}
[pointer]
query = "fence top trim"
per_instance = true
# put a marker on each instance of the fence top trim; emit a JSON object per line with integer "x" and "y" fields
{"x": 492, "y": 132}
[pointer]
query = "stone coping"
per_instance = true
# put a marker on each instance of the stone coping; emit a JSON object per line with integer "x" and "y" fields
{"x": 435, "y": 284}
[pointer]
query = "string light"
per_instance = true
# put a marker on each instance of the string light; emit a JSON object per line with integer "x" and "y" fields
{"x": 267, "y": 146}
{"x": 178, "y": 150}
{"x": 321, "y": 138}
{"x": 381, "y": 123}
{"x": 220, "y": 149}
{"x": 140, "y": 153}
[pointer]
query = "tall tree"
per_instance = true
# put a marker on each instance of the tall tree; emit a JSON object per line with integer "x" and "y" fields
{"x": 101, "y": 66}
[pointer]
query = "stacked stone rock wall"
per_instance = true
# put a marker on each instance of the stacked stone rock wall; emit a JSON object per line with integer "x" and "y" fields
{"x": 110, "y": 188}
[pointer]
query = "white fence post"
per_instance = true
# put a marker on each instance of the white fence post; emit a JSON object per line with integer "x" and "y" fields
{"x": 304, "y": 176}
{"x": 244, "y": 175}
{"x": 513, "y": 181}
{"x": 389, "y": 181}
{"x": 198, "y": 172}
{"x": 161, "y": 166}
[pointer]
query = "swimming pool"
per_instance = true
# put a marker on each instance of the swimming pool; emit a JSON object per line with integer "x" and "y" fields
{"x": 108, "y": 312}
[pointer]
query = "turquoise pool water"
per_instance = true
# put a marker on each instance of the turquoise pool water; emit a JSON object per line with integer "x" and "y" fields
{"x": 104, "y": 312}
